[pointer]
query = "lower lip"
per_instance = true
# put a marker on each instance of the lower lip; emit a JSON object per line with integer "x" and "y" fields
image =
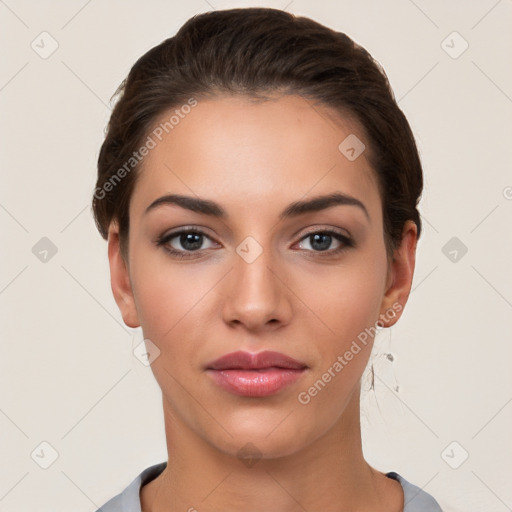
{"x": 256, "y": 383}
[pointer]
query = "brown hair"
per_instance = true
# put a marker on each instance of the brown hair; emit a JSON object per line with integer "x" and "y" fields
{"x": 253, "y": 51}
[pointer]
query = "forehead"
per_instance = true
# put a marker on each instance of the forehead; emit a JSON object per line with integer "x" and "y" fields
{"x": 247, "y": 153}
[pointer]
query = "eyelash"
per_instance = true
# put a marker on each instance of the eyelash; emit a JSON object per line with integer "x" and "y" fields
{"x": 165, "y": 239}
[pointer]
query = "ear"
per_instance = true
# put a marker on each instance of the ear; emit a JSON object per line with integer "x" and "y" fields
{"x": 120, "y": 279}
{"x": 399, "y": 276}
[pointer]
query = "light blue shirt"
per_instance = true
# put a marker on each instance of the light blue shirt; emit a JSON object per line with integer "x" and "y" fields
{"x": 415, "y": 499}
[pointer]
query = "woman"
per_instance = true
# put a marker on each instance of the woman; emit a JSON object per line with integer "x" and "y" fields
{"x": 258, "y": 188}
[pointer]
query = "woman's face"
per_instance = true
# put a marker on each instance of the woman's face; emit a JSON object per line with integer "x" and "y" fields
{"x": 258, "y": 280}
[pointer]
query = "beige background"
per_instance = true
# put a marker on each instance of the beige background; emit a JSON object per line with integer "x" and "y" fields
{"x": 68, "y": 376}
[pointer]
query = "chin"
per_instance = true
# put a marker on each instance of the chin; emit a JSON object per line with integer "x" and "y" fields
{"x": 255, "y": 440}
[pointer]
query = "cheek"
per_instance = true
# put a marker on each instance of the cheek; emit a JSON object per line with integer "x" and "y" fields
{"x": 347, "y": 305}
{"x": 344, "y": 300}
{"x": 171, "y": 300}
{"x": 162, "y": 288}
{"x": 172, "y": 316}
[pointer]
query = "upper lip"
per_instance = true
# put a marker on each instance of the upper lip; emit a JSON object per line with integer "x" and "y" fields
{"x": 250, "y": 361}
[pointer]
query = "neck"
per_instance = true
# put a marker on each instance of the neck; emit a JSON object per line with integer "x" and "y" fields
{"x": 330, "y": 474}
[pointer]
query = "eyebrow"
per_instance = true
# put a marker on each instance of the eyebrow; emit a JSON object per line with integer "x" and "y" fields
{"x": 208, "y": 207}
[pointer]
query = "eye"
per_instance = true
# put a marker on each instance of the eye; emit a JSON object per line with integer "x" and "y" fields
{"x": 321, "y": 241}
{"x": 183, "y": 243}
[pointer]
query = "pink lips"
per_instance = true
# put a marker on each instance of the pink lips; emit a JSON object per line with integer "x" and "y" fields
{"x": 257, "y": 375}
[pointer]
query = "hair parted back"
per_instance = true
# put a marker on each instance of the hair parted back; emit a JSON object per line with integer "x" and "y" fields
{"x": 259, "y": 51}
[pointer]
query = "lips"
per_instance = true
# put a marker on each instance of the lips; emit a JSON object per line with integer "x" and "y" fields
{"x": 255, "y": 361}
{"x": 255, "y": 375}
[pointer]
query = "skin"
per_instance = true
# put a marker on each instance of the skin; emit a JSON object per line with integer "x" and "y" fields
{"x": 254, "y": 159}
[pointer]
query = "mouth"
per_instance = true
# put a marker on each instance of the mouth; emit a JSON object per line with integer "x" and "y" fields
{"x": 255, "y": 375}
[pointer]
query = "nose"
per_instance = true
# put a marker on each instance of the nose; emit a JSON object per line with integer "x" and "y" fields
{"x": 255, "y": 294}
